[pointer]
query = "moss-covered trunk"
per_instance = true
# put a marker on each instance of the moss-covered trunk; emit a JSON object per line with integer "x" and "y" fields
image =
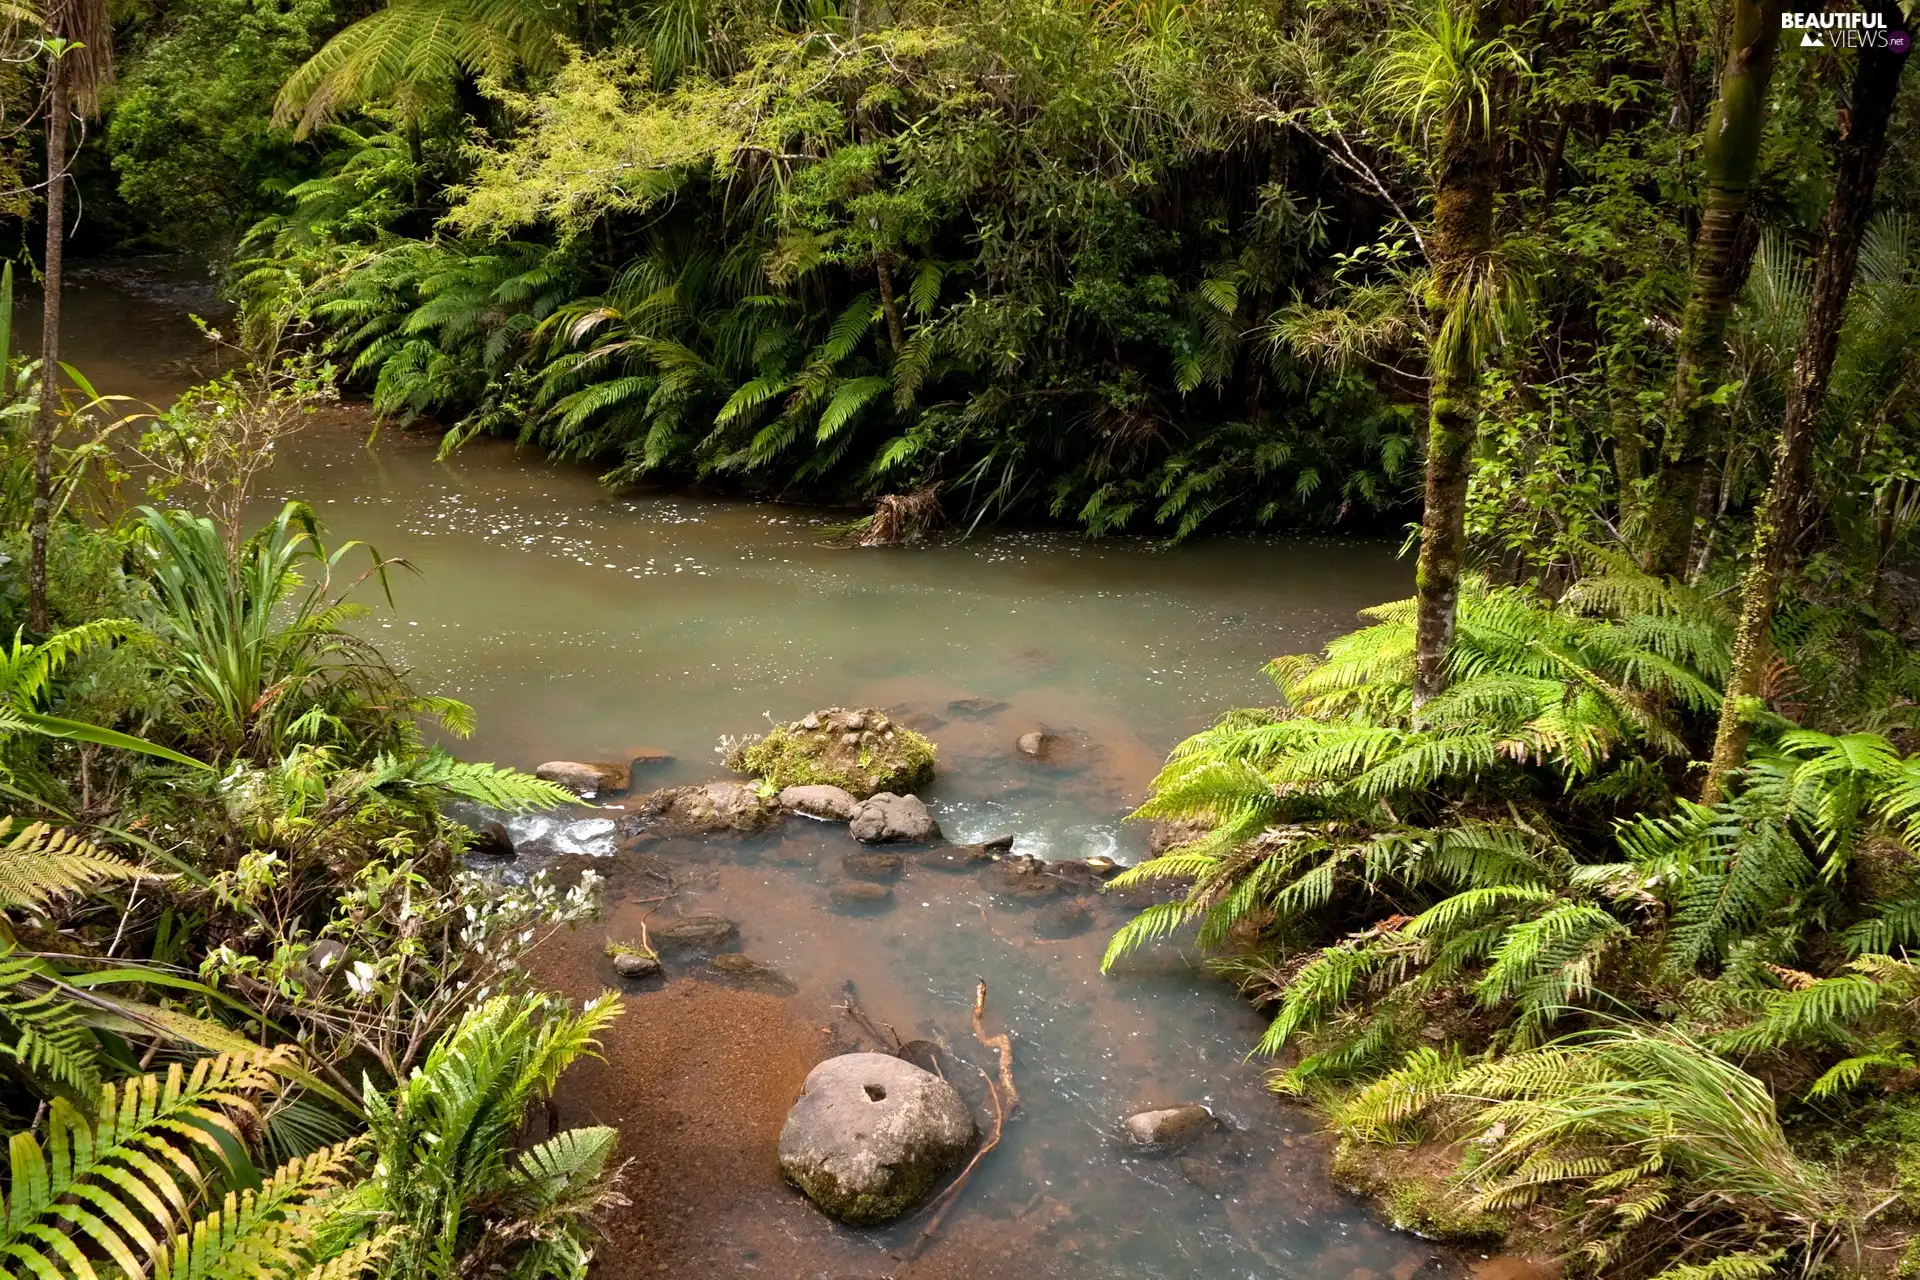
{"x": 43, "y": 427}
{"x": 1459, "y": 246}
{"x": 1863, "y": 144}
{"x": 1732, "y": 152}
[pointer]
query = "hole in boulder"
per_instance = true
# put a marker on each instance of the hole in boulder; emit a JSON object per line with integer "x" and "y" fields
{"x": 875, "y": 1092}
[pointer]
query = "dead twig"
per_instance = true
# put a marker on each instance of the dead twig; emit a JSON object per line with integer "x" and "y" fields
{"x": 850, "y": 1006}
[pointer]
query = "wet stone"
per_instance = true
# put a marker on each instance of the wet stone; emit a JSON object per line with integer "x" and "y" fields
{"x": 1063, "y": 920}
{"x": 871, "y": 1135}
{"x": 820, "y": 800}
{"x": 492, "y": 840}
{"x": 586, "y": 777}
{"x": 743, "y": 971}
{"x": 1037, "y": 745}
{"x": 975, "y": 706}
{"x": 1169, "y": 1127}
{"x": 1025, "y": 879}
{"x": 886, "y": 818}
{"x": 955, "y": 857}
{"x": 693, "y": 933}
{"x": 860, "y": 894}
{"x": 634, "y": 965}
{"x": 872, "y": 866}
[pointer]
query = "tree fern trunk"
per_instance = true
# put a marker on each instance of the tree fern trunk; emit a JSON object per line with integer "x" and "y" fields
{"x": 1732, "y": 152}
{"x": 1462, "y": 236}
{"x": 43, "y": 429}
{"x": 1863, "y": 145}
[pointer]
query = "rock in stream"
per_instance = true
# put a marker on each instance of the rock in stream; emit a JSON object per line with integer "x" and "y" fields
{"x": 872, "y": 1134}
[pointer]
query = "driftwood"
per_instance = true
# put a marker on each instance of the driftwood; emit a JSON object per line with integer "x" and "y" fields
{"x": 1004, "y": 1098}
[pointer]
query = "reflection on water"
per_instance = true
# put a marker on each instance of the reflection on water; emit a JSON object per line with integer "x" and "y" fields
{"x": 586, "y": 625}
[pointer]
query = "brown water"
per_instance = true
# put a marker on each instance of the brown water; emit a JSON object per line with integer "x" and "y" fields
{"x": 581, "y": 624}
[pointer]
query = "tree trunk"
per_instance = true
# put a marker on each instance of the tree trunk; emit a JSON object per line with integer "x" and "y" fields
{"x": 1863, "y": 145}
{"x": 1462, "y": 237}
{"x": 43, "y": 429}
{"x": 1732, "y": 152}
{"x": 896, "y": 336}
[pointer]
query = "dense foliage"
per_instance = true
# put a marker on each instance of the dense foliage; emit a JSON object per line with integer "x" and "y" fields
{"x": 1593, "y": 867}
{"x": 257, "y": 1018}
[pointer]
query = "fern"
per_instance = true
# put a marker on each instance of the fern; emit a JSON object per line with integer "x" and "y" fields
{"x": 44, "y": 1033}
{"x": 140, "y": 1159}
{"x": 39, "y": 864}
{"x": 1734, "y": 1266}
{"x": 492, "y": 785}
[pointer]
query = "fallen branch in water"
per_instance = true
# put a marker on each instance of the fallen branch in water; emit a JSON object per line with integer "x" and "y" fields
{"x": 856, "y": 1015}
{"x": 1003, "y": 1045}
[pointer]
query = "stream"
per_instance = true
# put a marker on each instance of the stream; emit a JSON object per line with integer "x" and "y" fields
{"x": 585, "y": 625}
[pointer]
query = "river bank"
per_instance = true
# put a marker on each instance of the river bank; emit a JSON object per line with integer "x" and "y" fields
{"x": 582, "y": 624}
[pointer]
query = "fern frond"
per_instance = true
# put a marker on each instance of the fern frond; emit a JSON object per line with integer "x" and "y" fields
{"x": 40, "y": 863}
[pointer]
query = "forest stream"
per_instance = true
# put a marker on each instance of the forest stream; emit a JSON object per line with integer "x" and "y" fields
{"x": 581, "y": 624}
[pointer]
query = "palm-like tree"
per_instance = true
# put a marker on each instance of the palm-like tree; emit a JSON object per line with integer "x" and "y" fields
{"x": 1444, "y": 70}
{"x": 79, "y": 45}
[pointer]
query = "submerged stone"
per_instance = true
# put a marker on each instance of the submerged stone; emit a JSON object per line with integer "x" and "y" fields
{"x": 872, "y": 866}
{"x": 872, "y": 1134}
{"x": 860, "y": 893}
{"x": 1063, "y": 920}
{"x": 750, "y": 973}
{"x": 1169, "y": 1127}
{"x": 862, "y": 752}
{"x": 692, "y": 933}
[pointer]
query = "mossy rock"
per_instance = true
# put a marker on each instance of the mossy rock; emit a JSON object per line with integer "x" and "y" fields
{"x": 862, "y": 751}
{"x": 1411, "y": 1186}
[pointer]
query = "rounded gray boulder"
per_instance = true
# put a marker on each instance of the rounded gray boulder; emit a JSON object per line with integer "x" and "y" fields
{"x": 888, "y": 817}
{"x": 872, "y": 1134}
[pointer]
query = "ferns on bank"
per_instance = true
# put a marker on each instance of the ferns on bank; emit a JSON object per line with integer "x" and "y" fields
{"x": 1518, "y": 845}
{"x": 1637, "y": 1132}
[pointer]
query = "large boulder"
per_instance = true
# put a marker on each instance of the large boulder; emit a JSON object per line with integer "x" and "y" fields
{"x": 862, "y": 752}
{"x": 821, "y": 800}
{"x": 887, "y": 817}
{"x": 872, "y": 1134}
{"x": 586, "y": 777}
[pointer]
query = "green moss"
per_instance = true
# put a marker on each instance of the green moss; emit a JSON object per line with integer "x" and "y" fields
{"x": 1411, "y": 1187}
{"x": 825, "y": 749}
{"x": 617, "y": 949}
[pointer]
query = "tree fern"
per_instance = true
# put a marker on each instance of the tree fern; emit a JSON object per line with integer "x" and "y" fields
{"x": 411, "y": 52}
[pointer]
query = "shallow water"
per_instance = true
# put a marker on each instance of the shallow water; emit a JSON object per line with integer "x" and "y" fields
{"x": 581, "y": 624}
